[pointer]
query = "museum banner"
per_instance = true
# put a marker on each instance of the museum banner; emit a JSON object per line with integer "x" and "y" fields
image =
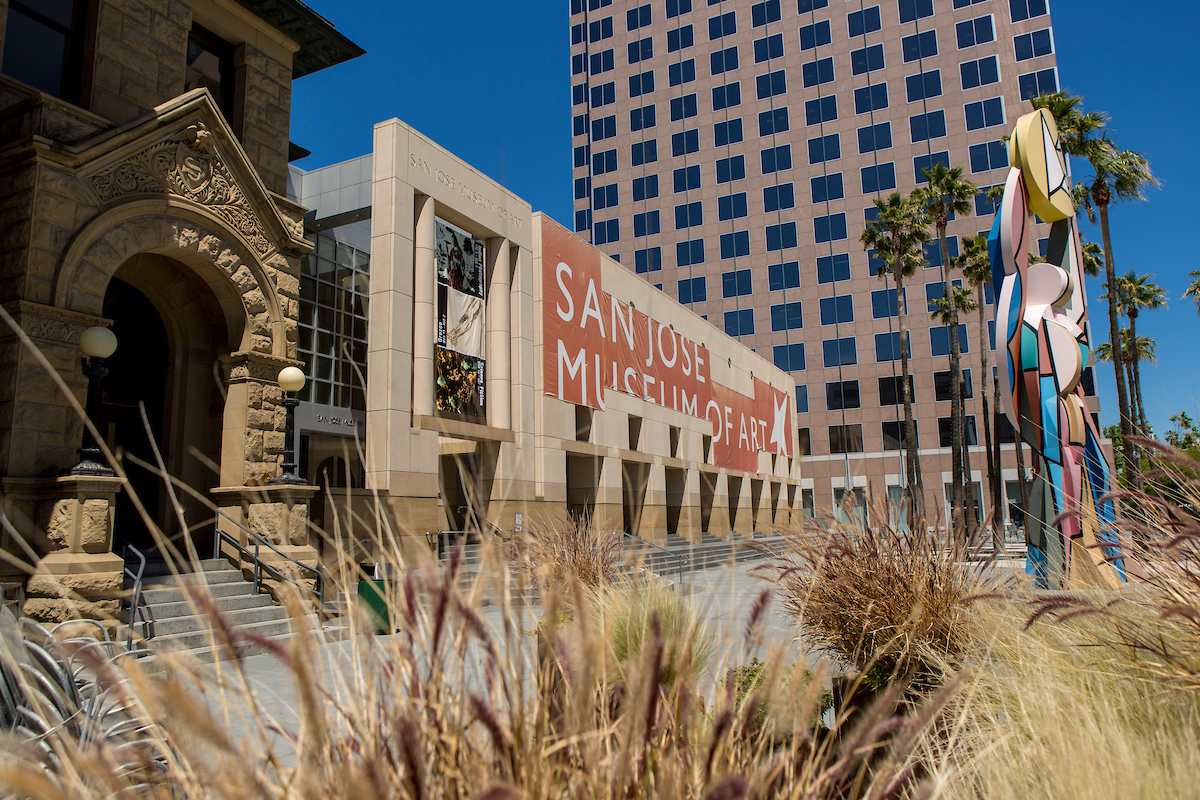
{"x": 593, "y": 342}
{"x": 458, "y": 357}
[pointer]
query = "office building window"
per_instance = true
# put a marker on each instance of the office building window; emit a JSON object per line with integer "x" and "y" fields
{"x": 887, "y": 346}
{"x": 776, "y": 198}
{"x": 870, "y": 98}
{"x": 583, "y": 187}
{"x": 922, "y": 163}
{"x": 727, "y": 96}
{"x": 840, "y": 395}
{"x": 582, "y": 154}
{"x": 1033, "y": 45}
{"x": 833, "y": 268}
{"x": 677, "y": 7}
{"x": 604, "y": 128}
{"x": 786, "y": 317}
{"x": 942, "y": 385}
{"x": 822, "y": 109}
{"x": 689, "y": 253}
{"x": 731, "y": 169}
{"x": 728, "y": 132}
{"x": 637, "y": 17}
{"x": 831, "y": 228}
{"x": 644, "y": 83}
{"x": 333, "y": 291}
{"x": 924, "y": 127}
{"x": 602, "y": 62}
{"x": 604, "y": 94}
{"x": 604, "y": 196}
{"x": 680, "y": 39}
{"x": 765, "y": 12}
{"x": 840, "y": 352}
{"x": 983, "y": 206}
{"x": 739, "y": 323}
{"x": 736, "y": 283}
{"x": 827, "y": 187}
{"x": 866, "y": 59}
{"x": 879, "y": 178}
{"x": 924, "y": 86}
{"x": 919, "y": 45}
{"x": 578, "y": 63}
{"x": 984, "y": 113}
{"x": 988, "y": 156}
{"x": 1033, "y": 84}
{"x": 933, "y": 258}
{"x": 606, "y": 231}
{"x": 693, "y": 290}
{"x": 805, "y": 6}
{"x": 685, "y": 142}
{"x": 945, "y": 431}
{"x": 845, "y": 439}
{"x": 801, "y": 398}
{"x": 1027, "y": 9}
{"x": 814, "y": 35}
{"x": 641, "y": 50}
{"x": 824, "y": 148}
{"x": 678, "y": 73}
{"x": 781, "y": 236}
{"x": 784, "y": 276}
{"x": 939, "y": 340}
{"x": 722, "y": 25}
{"x": 686, "y": 178}
{"x": 788, "y": 357}
{"x": 579, "y": 125}
{"x": 646, "y": 223}
{"x": 864, "y": 22}
{"x": 974, "y": 31}
{"x": 884, "y": 304}
{"x": 980, "y": 72}
{"x": 773, "y": 121}
{"x": 645, "y": 188}
{"x": 893, "y": 435}
{"x": 604, "y": 162}
{"x": 912, "y": 10}
{"x": 641, "y": 118}
{"x": 768, "y": 47}
{"x": 874, "y": 137}
{"x": 724, "y": 60}
{"x": 735, "y": 244}
{"x": 814, "y": 73}
{"x": 891, "y": 390}
{"x": 600, "y": 29}
{"x": 775, "y": 159}
{"x": 771, "y": 84}
{"x": 647, "y": 260}
{"x": 689, "y": 214}
{"x": 683, "y": 107}
{"x": 732, "y": 206}
{"x": 583, "y": 220}
{"x": 837, "y": 309}
{"x": 579, "y": 94}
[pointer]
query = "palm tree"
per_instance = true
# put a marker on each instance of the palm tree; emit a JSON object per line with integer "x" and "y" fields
{"x": 948, "y": 193}
{"x": 896, "y": 235}
{"x": 1137, "y": 292}
{"x": 976, "y": 265}
{"x": 963, "y": 300}
{"x": 1193, "y": 290}
{"x": 1135, "y": 350}
{"x": 1119, "y": 174}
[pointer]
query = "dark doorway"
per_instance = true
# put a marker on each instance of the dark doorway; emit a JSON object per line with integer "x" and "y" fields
{"x": 137, "y": 379}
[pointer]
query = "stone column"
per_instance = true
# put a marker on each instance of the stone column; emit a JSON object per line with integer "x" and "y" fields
{"x": 424, "y": 308}
{"x": 499, "y": 334}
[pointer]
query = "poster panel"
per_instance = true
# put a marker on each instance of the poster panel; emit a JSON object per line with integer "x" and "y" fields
{"x": 459, "y": 364}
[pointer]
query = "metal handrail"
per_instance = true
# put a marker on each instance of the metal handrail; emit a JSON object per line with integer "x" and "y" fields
{"x": 138, "y": 610}
{"x": 261, "y": 566}
{"x": 18, "y": 600}
{"x": 680, "y": 559}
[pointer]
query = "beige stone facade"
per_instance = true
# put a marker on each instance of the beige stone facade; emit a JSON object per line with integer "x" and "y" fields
{"x": 134, "y": 203}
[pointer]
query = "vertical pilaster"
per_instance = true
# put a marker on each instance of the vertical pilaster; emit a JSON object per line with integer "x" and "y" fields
{"x": 499, "y": 334}
{"x": 424, "y": 307}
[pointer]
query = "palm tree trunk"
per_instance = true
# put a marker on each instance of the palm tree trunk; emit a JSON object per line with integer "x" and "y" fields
{"x": 997, "y": 465}
{"x": 1118, "y": 357}
{"x": 1135, "y": 378}
{"x": 957, "y": 511}
{"x": 984, "y": 384}
{"x": 1021, "y": 482}
{"x": 916, "y": 488}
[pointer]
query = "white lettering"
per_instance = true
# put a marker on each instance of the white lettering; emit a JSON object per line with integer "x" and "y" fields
{"x": 674, "y": 346}
{"x": 699, "y": 361}
{"x": 627, "y": 326}
{"x": 569, "y": 314}
{"x": 718, "y": 428}
{"x": 630, "y": 372}
{"x": 647, "y": 380}
{"x": 692, "y": 408}
{"x": 575, "y": 368}
{"x": 591, "y": 308}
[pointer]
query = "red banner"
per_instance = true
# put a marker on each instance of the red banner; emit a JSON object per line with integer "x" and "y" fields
{"x": 593, "y": 341}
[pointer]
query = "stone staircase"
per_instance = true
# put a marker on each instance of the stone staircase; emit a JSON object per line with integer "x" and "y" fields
{"x": 177, "y": 627}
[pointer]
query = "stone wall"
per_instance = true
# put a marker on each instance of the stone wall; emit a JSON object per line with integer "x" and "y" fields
{"x": 141, "y": 46}
{"x": 265, "y": 106}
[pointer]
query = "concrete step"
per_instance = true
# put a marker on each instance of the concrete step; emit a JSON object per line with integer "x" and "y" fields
{"x": 210, "y": 577}
{"x": 200, "y": 639}
{"x": 229, "y": 603}
{"x": 204, "y": 652}
{"x": 176, "y": 595}
{"x": 165, "y": 627}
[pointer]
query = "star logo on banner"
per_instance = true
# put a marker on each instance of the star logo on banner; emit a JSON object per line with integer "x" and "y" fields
{"x": 779, "y": 429}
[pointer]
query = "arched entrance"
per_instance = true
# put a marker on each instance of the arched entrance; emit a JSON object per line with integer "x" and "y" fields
{"x": 171, "y": 332}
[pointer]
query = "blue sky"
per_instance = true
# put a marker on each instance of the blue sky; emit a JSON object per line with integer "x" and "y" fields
{"x": 490, "y": 82}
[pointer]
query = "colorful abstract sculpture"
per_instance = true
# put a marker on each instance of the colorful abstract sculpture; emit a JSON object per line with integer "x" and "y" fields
{"x": 1042, "y": 318}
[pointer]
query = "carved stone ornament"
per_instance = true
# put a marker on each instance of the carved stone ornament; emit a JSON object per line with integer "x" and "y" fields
{"x": 258, "y": 367}
{"x": 50, "y": 324}
{"x": 186, "y": 165}
{"x": 54, "y": 330}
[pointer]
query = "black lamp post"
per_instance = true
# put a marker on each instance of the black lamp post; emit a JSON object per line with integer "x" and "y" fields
{"x": 97, "y": 344}
{"x": 291, "y": 380}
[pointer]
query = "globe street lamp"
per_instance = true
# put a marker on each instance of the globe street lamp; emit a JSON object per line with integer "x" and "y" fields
{"x": 291, "y": 380}
{"x": 97, "y": 344}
